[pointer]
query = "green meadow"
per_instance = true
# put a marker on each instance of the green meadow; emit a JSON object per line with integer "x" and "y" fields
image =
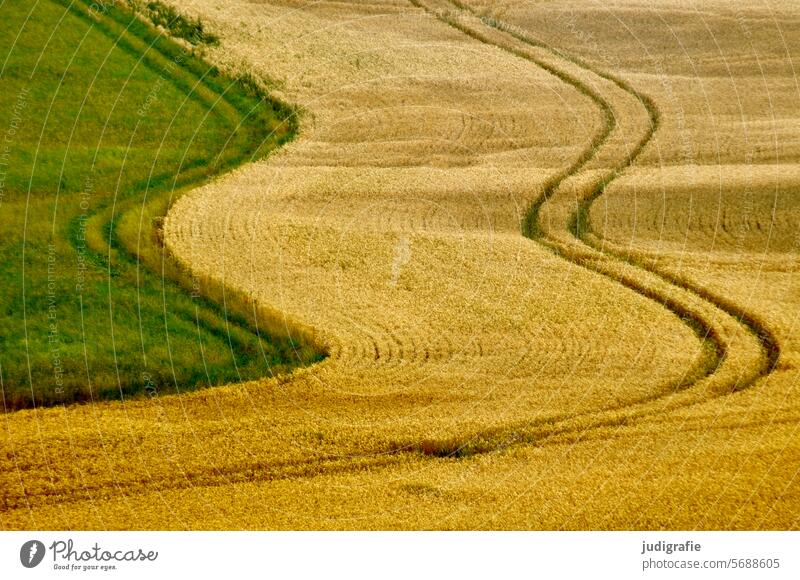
{"x": 104, "y": 122}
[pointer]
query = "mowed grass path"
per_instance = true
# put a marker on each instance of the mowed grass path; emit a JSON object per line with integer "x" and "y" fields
{"x": 103, "y": 123}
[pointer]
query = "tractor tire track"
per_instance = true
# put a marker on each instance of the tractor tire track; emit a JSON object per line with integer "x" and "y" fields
{"x": 581, "y": 227}
{"x": 576, "y": 242}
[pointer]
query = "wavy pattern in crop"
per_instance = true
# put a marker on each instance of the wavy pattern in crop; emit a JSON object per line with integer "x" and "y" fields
{"x": 693, "y": 304}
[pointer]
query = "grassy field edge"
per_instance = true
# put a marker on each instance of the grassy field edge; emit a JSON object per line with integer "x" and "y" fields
{"x": 239, "y": 311}
{"x": 131, "y": 231}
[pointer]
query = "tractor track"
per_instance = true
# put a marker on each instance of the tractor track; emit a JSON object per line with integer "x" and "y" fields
{"x": 581, "y": 227}
{"x": 579, "y": 244}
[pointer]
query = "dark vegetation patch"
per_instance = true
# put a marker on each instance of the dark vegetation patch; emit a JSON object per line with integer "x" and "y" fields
{"x": 179, "y": 26}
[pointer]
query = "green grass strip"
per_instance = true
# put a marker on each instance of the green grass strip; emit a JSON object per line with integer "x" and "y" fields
{"x": 104, "y": 123}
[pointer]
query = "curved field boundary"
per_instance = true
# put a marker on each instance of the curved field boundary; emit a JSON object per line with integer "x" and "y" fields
{"x": 695, "y": 306}
{"x": 121, "y": 233}
{"x": 218, "y": 309}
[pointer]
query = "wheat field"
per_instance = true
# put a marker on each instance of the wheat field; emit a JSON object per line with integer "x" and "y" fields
{"x": 551, "y": 249}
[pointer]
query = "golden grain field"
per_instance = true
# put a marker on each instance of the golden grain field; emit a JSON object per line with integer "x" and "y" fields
{"x": 628, "y": 360}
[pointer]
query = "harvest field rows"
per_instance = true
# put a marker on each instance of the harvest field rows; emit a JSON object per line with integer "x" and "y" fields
{"x": 550, "y": 250}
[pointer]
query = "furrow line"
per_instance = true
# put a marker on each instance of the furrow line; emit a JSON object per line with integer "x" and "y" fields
{"x": 713, "y": 319}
